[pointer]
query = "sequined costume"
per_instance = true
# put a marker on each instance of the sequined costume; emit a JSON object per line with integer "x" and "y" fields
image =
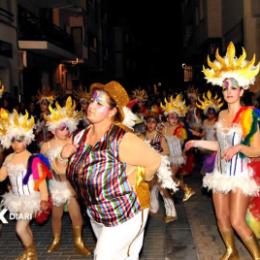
{"x": 16, "y": 200}
{"x": 228, "y": 175}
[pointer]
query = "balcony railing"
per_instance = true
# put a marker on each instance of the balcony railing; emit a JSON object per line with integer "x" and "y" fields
{"x": 35, "y": 29}
{"x": 6, "y": 16}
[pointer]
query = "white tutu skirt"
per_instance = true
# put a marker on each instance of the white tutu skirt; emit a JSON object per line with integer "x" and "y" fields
{"x": 222, "y": 183}
{"x": 60, "y": 192}
{"x": 24, "y": 207}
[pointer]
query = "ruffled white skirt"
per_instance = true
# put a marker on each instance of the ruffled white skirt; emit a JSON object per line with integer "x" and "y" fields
{"x": 222, "y": 183}
{"x": 24, "y": 206}
{"x": 60, "y": 192}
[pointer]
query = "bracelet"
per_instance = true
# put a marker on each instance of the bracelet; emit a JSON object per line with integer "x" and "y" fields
{"x": 62, "y": 159}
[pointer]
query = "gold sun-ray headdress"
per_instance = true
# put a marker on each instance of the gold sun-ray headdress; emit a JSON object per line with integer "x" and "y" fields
{"x": 13, "y": 125}
{"x": 176, "y": 105}
{"x": 140, "y": 94}
{"x": 46, "y": 94}
{"x": 63, "y": 115}
{"x": 209, "y": 101}
{"x": 80, "y": 94}
{"x": 242, "y": 70}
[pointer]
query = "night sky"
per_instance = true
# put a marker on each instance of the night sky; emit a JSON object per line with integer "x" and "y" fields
{"x": 157, "y": 28}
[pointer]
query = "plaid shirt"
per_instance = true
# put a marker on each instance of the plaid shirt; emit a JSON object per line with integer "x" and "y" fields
{"x": 99, "y": 178}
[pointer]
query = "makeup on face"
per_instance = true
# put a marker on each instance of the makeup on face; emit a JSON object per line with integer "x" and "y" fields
{"x": 63, "y": 126}
{"x": 211, "y": 111}
{"x": 173, "y": 116}
{"x": 229, "y": 83}
{"x": 100, "y": 97}
{"x": 19, "y": 139}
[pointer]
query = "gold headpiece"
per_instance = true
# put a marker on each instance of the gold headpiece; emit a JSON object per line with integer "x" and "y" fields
{"x": 154, "y": 111}
{"x": 209, "y": 101}
{"x": 59, "y": 115}
{"x": 242, "y": 70}
{"x": 2, "y": 88}
{"x": 140, "y": 94}
{"x": 81, "y": 94}
{"x": 176, "y": 105}
{"x": 13, "y": 125}
{"x": 46, "y": 94}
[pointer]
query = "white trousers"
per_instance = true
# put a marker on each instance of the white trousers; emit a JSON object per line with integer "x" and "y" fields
{"x": 121, "y": 242}
{"x": 168, "y": 202}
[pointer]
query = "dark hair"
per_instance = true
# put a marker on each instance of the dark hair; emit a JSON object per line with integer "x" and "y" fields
{"x": 113, "y": 104}
{"x": 155, "y": 117}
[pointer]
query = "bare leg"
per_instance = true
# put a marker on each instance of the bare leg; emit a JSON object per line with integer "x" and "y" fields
{"x": 74, "y": 211}
{"x": 222, "y": 204}
{"x": 239, "y": 205}
{"x": 56, "y": 222}
{"x": 24, "y": 232}
{"x": 56, "y": 219}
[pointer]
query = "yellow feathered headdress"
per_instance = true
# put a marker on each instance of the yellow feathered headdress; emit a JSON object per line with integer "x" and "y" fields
{"x": 208, "y": 101}
{"x": 140, "y": 94}
{"x": 46, "y": 94}
{"x": 242, "y": 70}
{"x": 80, "y": 94}
{"x": 63, "y": 115}
{"x": 13, "y": 125}
{"x": 176, "y": 105}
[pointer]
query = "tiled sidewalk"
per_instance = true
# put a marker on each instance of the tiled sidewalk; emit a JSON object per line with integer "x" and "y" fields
{"x": 162, "y": 241}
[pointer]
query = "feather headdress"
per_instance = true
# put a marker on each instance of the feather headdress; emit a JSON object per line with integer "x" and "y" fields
{"x": 176, "y": 105}
{"x": 209, "y": 101}
{"x": 13, "y": 125}
{"x": 46, "y": 94}
{"x": 80, "y": 94}
{"x": 242, "y": 70}
{"x": 63, "y": 115}
{"x": 140, "y": 94}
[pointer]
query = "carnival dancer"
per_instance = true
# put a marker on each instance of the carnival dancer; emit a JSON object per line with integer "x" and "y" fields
{"x": 29, "y": 193}
{"x": 45, "y": 98}
{"x": 210, "y": 106}
{"x": 83, "y": 98}
{"x": 233, "y": 180}
{"x": 62, "y": 122}
{"x": 138, "y": 105}
{"x": 193, "y": 115}
{"x": 176, "y": 135}
{"x": 159, "y": 143}
{"x": 108, "y": 168}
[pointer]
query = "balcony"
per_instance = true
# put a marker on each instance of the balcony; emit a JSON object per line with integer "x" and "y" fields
{"x": 6, "y": 17}
{"x": 31, "y": 28}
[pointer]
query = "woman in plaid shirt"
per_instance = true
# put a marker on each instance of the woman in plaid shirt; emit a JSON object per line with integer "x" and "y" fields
{"x": 108, "y": 168}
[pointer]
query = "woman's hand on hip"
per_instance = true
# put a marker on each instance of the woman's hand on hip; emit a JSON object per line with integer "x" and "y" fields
{"x": 231, "y": 151}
